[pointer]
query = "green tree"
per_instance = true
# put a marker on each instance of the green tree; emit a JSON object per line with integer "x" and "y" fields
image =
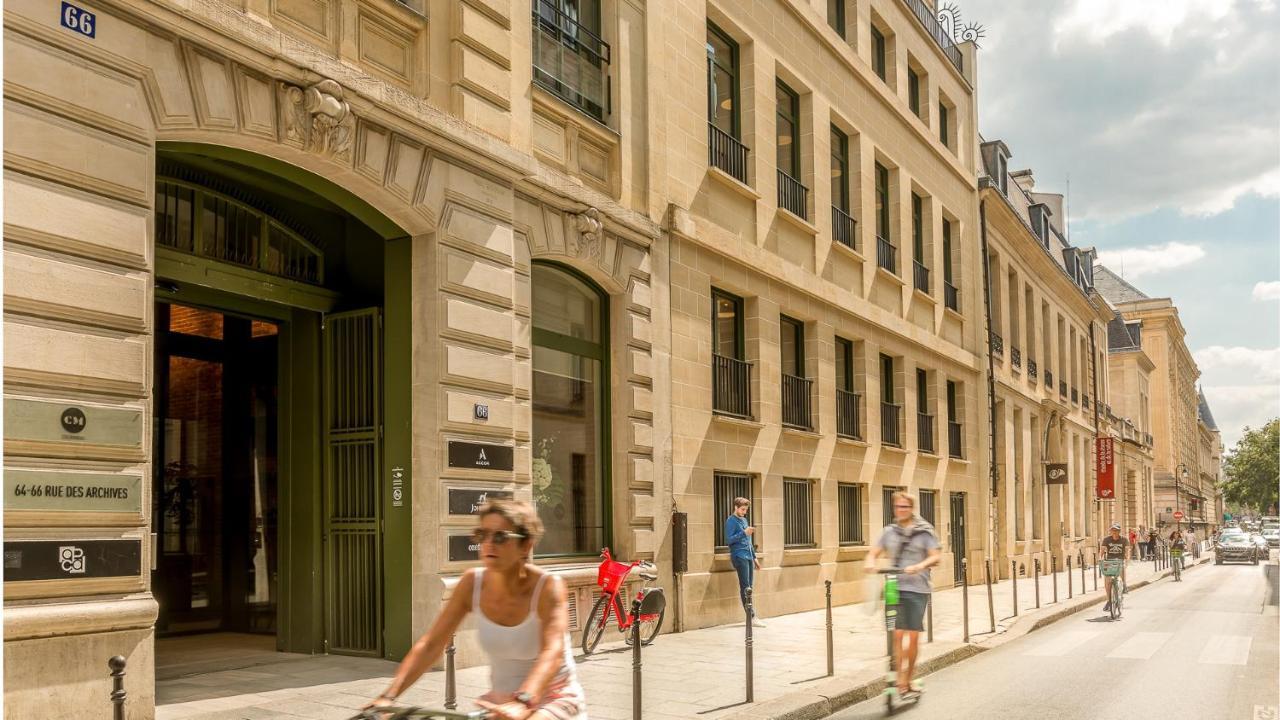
{"x": 1252, "y": 468}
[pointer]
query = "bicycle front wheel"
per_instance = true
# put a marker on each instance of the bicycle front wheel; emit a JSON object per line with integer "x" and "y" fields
{"x": 1115, "y": 599}
{"x": 650, "y": 626}
{"x": 596, "y": 621}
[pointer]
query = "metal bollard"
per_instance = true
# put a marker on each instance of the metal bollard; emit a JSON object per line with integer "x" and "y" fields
{"x": 964, "y": 594}
{"x": 1070, "y": 585}
{"x": 831, "y": 652}
{"x": 450, "y": 677}
{"x": 1082, "y": 587}
{"x": 928, "y": 613}
{"x": 637, "y": 696}
{"x": 1155, "y": 560}
{"x": 991, "y": 603}
{"x": 751, "y": 681}
{"x": 117, "y": 664}
{"x": 1037, "y": 560}
{"x": 1053, "y": 568}
{"x": 1013, "y": 578}
{"x": 1095, "y": 569}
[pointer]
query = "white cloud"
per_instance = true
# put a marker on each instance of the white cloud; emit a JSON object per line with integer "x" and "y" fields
{"x": 1150, "y": 259}
{"x": 1241, "y": 385}
{"x": 1260, "y": 365}
{"x": 1267, "y": 291}
{"x": 1098, "y": 20}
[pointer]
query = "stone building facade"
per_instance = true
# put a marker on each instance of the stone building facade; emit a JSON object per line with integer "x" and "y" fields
{"x": 1129, "y": 412}
{"x": 290, "y": 288}
{"x": 1048, "y": 349}
{"x": 1209, "y": 503}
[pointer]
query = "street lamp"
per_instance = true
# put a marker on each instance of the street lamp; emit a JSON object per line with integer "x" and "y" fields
{"x": 1179, "y": 472}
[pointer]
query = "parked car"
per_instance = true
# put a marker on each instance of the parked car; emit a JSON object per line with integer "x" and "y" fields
{"x": 1236, "y": 546}
{"x": 1260, "y": 541}
{"x": 1272, "y": 536}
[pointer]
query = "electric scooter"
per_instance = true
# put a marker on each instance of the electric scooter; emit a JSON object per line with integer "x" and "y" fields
{"x": 892, "y": 701}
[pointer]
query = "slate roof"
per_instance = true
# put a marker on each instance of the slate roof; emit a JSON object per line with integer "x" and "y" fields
{"x": 1205, "y": 414}
{"x": 1113, "y": 287}
{"x": 1118, "y": 337}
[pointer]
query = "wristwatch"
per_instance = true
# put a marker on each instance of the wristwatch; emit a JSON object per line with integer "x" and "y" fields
{"x": 524, "y": 698}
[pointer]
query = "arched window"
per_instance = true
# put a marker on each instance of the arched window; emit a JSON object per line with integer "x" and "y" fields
{"x": 570, "y": 412}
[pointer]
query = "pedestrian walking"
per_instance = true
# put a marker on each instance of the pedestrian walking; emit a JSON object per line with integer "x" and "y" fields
{"x": 911, "y": 546}
{"x": 1133, "y": 542}
{"x": 739, "y": 535}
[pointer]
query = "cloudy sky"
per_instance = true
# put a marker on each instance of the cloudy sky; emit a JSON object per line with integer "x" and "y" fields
{"x": 1164, "y": 115}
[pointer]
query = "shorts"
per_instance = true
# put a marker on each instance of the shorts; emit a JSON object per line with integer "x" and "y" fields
{"x": 911, "y": 607}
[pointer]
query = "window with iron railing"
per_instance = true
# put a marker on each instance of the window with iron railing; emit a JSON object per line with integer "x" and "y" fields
{"x": 921, "y": 275}
{"x": 792, "y": 194}
{"x": 934, "y": 29}
{"x": 797, "y": 513}
{"x": 890, "y": 412}
{"x": 724, "y": 127}
{"x": 849, "y": 508}
{"x": 1015, "y": 356}
{"x": 928, "y": 506}
{"x": 730, "y": 372}
{"x": 795, "y": 388}
{"x": 886, "y": 499}
{"x": 842, "y": 223}
{"x": 924, "y": 420}
{"x": 954, "y": 436}
{"x": 997, "y": 344}
{"x": 886, "y": 253}
{"x": 950, "y": 294}
{"x": 570, "y": 59}
{"x": 1032, "y": 369}
{"x": 726, "y": 487}
{"x": 848, "y": 422}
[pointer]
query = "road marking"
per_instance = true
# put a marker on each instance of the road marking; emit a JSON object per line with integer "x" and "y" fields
{"x": 1265, "y": 712}
{"x": 1226, "y": 650}
{"x": 1141, "y": 646}
{"x": 1062, "y": 644}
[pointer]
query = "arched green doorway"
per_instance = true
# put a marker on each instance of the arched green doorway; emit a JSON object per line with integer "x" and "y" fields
{"x": 282, "y": 408}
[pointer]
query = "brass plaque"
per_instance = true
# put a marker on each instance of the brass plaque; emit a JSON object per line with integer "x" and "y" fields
{"x": 71, "y": 423}
{"x": 71, "y": 492}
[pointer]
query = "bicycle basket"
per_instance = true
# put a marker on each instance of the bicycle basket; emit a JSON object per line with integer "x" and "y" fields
{"x": 1112, "y": 567}
{"x": 611, "y": 575}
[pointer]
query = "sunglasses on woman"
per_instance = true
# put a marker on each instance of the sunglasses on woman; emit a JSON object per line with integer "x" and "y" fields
{"x": 499, "y": 537}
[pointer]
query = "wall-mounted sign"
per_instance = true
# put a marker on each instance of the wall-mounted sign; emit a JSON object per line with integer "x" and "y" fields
{"x": 60, "y": 422}
{"x": 79, "y": 20}
{"x": 1106, "y": 469}
{"x": 481, "y": 412}
{"x": 480, "y": 456}
{"x": 462, "y": 549}
{"x": 467, "y": 501}
{"x": 71, "y": 492}
{"x": 71, "y": 559}
{"x": 1055, "y": 473}
{"x": 397, "y": 486}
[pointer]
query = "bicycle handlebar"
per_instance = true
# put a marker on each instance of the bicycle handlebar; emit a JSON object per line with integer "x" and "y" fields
{"x": 409, "y": 712}
{"x": 889, "y": 571}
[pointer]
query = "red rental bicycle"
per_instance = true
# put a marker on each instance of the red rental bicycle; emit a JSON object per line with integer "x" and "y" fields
{"x": 612, "y": 576}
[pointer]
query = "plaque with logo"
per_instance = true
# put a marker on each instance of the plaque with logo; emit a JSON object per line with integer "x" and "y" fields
{"x": 463, "y": 549}
{"x": 71, "y": 559}
{"x": 114, "y": 432}
{"x": 480, "y": 456}
{"x": 467, "y": 501}
{"x": 1055, "y": 474}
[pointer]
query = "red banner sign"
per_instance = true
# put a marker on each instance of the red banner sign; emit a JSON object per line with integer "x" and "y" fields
{"x": 1106, "y": 469}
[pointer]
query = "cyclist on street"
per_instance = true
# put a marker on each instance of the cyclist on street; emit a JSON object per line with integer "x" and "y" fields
{"x": 522, "y": 623}
{"x": 911, "y": 546}
{"x": 739, "y": 536}
{"x": 1177, "y": 547}
{"x": 1115, "y": 548}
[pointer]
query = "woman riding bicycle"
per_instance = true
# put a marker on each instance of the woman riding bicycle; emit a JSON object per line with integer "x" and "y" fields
{"x": 1177, "y": 550}
{"x": 1115, "y": 550}
{"x": 522, "y": 626}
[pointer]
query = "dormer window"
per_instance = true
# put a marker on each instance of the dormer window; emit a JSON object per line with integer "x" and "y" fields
{"x": 1002, "y": 172}
{"x": 1039, "y": 217}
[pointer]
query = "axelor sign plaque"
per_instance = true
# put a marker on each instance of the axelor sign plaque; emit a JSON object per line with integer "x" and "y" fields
{"x": 71, "y": 492}
{"x": 480, "y": 456}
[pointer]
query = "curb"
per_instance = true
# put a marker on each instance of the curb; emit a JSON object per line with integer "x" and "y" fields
{"x": 835, "y": 694}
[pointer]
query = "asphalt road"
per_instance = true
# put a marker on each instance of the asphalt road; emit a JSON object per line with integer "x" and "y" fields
{"x": 1205, "y": 648}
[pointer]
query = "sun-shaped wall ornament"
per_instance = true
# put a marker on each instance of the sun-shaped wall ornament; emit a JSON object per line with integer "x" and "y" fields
{"x": 949, "y": 18}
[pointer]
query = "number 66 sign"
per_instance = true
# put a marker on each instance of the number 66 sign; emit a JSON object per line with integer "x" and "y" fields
{"x": 79, "y": 20}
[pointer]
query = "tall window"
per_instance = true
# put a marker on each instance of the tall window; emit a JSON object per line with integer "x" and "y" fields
{"x": 878, "y": 52}
{"x": 844, "y": 365}
{"x": 913, "y": 91}
{"x": 728, "y": 486}
{"x": 951, "y": 401}
{"x": 730, "y": 372}
{"x": 726, "y": 326}
{"x": 849, "y": 506}
{"x": 722, "y": 81}
{"x": 835, "y": 16}
{"x": 882, "y": 202}
{"x": 788, "y": 125}
{"x": 886, "y": 498}
{"x": 946, "y": 253}
{"x": 928, "y": 506}
{"x": 570, "y": 397}
{"x": 848, "y": 407}
{"x": 917, "y": 227}
{"x": 890, "y": 411}
{"x": 797, "y": 511}
{"x": 944, "y": 124}
{"x": 839, "y": 170}
{"x": 569, "y": 57}
{"x": 886, "y": 379}
{"x": 922, "y": 390}
{"x": 792, "y": 347}
{"x": 795, "y": 387}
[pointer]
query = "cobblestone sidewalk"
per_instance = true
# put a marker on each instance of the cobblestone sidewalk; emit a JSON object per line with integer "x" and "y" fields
{"x": 695, "y": 674}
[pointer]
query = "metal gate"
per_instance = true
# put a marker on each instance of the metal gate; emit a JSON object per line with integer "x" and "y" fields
{"x": 352, "y": 468}
{"x": 957, "y": 534}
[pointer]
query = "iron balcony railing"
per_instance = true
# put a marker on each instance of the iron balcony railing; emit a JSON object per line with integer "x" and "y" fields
{"x": 921, "y": 277}
{"x": 1146, "y": 438}
{"x": 1084, "y": 401}
{"x": 890, "y": 419}
{"x": 1032, "y": 369}
{"x": 796, "y": 404}
{"x": 997, "y": 344}
{"x": 1062, "y": 388}
{"x": 924, "y": 431}
{"x": 727, "y": 153}
{"x": 793, "y": 196}
{"x": 848, "y": 422}
{"x": 1015, "y": 356}
{"x": 1048, "y": 379}
{"x": 731, "y": 385}
{"x": 1075, "y": 395}
{"x": 569, "y": 59}
{"x": 951, "y": 296}
{"x": 955, "y": 439}
{"x": 886, "y": 254}
{"x": 842, "y": 227}
{"x": 934, "y": 29}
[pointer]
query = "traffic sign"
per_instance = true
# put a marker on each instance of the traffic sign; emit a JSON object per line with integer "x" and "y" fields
{"x": 1178, "y": 515}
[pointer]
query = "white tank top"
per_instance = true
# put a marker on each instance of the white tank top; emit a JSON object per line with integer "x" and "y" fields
{"x": 513, "y": 649}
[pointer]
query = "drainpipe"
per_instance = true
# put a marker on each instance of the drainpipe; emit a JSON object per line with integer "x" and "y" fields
{"x": 991, "y": 389}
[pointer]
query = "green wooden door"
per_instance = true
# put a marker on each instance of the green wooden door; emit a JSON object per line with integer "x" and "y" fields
{"x": 352, "y": 469}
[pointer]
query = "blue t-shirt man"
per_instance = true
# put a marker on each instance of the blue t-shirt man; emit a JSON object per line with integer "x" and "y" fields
{"x": 738, "y": 535}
